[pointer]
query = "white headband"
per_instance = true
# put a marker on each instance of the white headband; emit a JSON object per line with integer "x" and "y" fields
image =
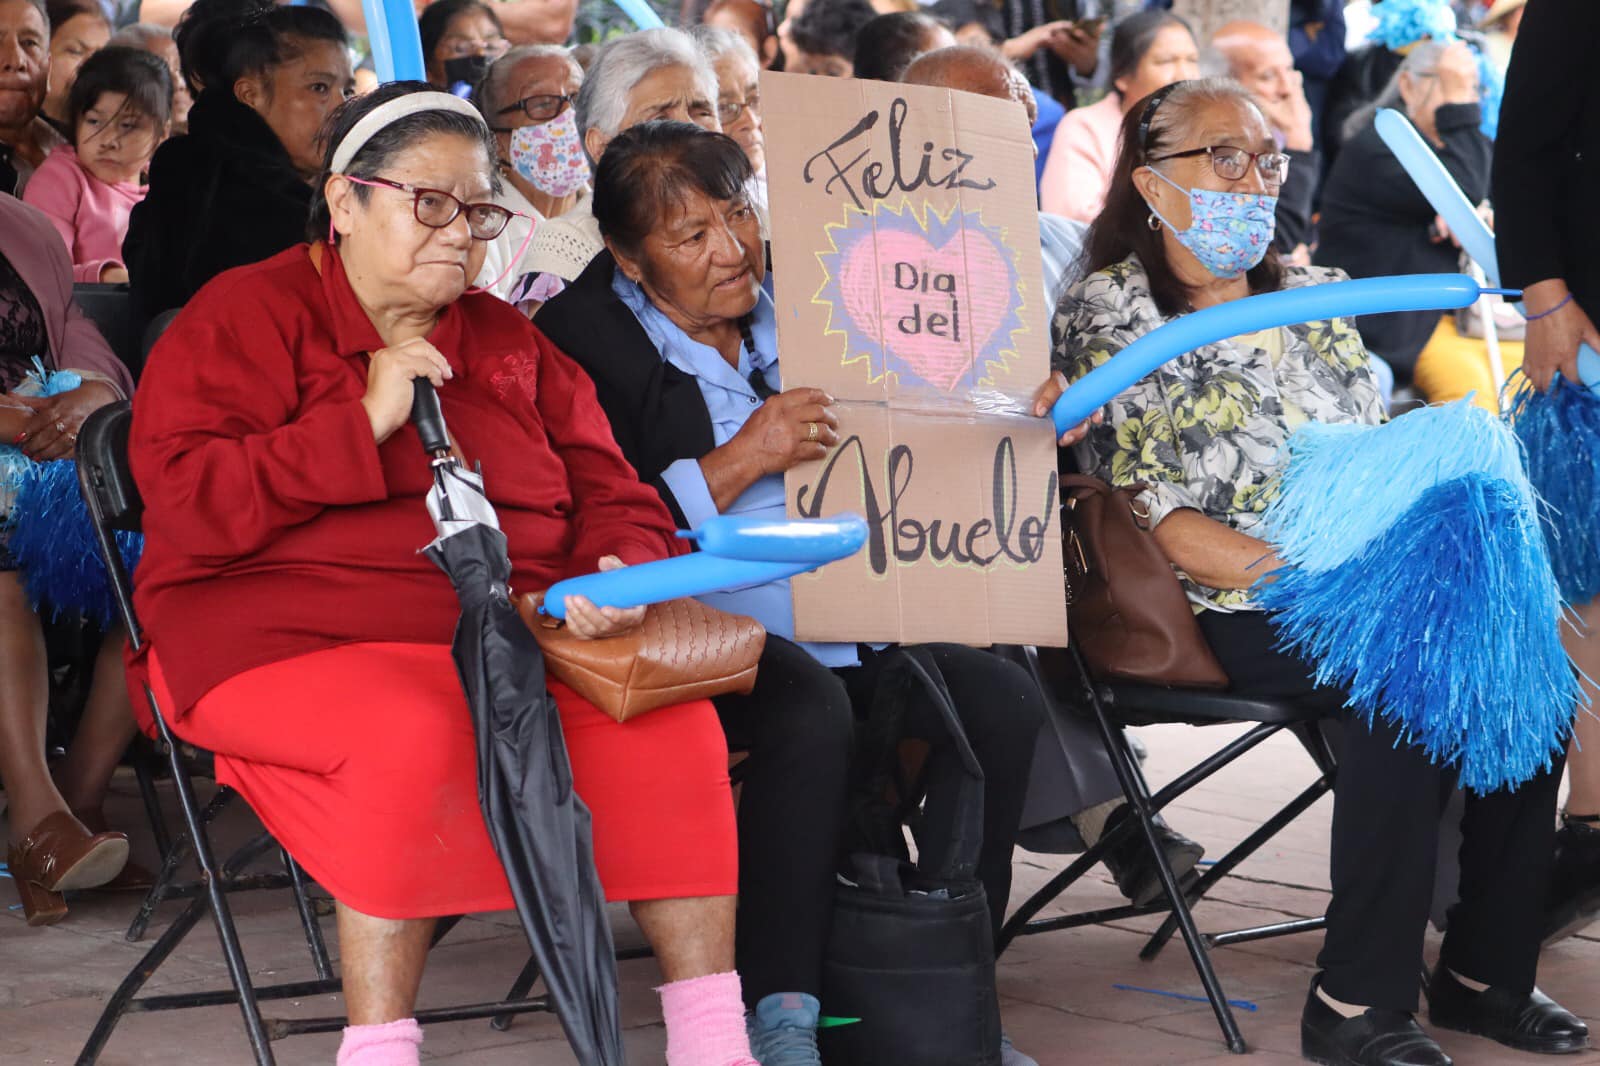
{"x": 387, "y": 114}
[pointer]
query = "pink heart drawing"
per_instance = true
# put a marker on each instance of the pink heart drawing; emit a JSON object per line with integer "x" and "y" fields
{"x": 937, "y": 310}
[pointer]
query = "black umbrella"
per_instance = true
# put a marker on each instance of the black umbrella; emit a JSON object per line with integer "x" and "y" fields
{"x": 539, "y": 826}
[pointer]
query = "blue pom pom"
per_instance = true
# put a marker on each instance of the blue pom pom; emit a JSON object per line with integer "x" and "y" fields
{"x": 1560, "y": 435}
{"x": 1405, "y": 22}
{"x": 1346, "y": 485}
{"x": 52, "y": 539}
{"x": 1448, "y": 625}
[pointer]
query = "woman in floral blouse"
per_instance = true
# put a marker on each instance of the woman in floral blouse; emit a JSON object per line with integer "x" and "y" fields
{"x": 1188, "y": 225}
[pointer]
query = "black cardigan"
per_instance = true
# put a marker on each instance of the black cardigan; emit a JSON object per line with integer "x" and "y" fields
{"x": 222, "y": 195}
{"x": 1547, "y": 158}
{"x": 657, "y": 412}
{"x": 1375, "y": 223}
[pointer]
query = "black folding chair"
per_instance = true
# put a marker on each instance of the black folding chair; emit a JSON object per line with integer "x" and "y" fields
{"x": 113, "y": 312}
{"x": 1119, "y": 705}
{"x": 114, "y": 504}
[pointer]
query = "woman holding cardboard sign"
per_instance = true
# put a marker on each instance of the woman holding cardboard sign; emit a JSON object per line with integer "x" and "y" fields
{"x": 672, "y": 324}
{"x": 1188, "y": 225}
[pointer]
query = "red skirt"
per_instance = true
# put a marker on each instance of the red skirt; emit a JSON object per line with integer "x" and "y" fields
{"x": 361, "y": 761}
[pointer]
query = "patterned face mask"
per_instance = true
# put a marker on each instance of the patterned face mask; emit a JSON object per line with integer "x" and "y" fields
{"x": 1229, "y": 232}
{"x": 550, "y": 155}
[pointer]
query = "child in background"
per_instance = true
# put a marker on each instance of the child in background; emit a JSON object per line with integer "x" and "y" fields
{"x": 119, "y": 111}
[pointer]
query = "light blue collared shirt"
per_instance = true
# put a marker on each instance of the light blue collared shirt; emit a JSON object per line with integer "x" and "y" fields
{"x": 730, "y": 401}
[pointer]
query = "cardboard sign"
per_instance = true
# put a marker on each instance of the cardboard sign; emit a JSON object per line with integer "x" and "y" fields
{"x": 906, "y": 262}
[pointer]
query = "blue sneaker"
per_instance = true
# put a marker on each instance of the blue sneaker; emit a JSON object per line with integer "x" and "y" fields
{"x": 783, "y": 1030}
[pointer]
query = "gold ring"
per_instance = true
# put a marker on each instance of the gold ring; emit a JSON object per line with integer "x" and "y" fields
{"x": 811, "y": 431}
{"x": 61, "y": 427}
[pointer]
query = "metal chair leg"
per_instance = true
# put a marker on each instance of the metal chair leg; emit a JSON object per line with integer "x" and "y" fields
{"x": 308, "y": 917}
{"x": 519, "y": 990}
{"x": 174, "y": 857}
{"x": 163, "y": 947}
{"x": 221, "y": 913}
{"x": 1242, "y": 851}
{"x": 1138, "y": 799}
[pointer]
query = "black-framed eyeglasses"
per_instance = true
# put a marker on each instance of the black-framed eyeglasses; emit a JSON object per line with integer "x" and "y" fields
{"x": 541, "y": 107}
{"x": 436, "y": 208}
{"x": 728, "y": 111}
{"x": 1232, "y": 164}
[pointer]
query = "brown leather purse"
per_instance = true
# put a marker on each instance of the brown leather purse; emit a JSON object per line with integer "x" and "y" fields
{"x": 1130, "y": 616}
{"x": 683, "y": 651}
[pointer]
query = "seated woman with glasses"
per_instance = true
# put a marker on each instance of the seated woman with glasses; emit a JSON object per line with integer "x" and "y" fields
{"x": 299, "y": 634}
{"x": 1376, "y": 222}
{"x": 652, "y": 74}
{"x": 672, "y": 323}
{"x": 526, "y": 98}
{"x": 739, "y": 103}
{"x": 1187, "y": 225}
{"x": 460, "y": 38}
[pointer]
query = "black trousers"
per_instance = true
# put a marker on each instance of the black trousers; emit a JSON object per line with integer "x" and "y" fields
{"x": 1387, "y": 804}
{"x": 797, "y": 729}
{"x": 1001, "y": 711}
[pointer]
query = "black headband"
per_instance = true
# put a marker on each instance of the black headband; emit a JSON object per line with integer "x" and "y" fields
{"x": 1150, "y": 113}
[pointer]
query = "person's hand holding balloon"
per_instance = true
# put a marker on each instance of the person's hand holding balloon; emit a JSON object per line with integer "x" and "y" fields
{"x": 1555, "y": 330}
{"x": 589, "y": 622}
{"x": 1046, "y": 398}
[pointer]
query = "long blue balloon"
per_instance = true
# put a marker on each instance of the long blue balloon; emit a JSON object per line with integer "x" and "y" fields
{"x": 1367, "y": 296}
{"x": 396, "y": 43}
{"x": 667, "y": 579}
{"x": 1441, "y": 190}
{"x": 763, "y": 540}
{"x": 1446, "y": 198}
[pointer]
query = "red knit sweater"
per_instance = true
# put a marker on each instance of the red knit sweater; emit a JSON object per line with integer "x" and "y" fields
{"x": 274, "y": 526}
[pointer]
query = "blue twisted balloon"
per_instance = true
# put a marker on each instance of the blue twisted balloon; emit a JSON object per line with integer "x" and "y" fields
{"x": 1367, "y": 296}
{"x": 757, "y": 551}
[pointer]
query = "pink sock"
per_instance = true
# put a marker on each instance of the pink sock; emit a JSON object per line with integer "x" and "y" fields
{"x": 389, "y": 1044}
{"x": 705, "y": 1022}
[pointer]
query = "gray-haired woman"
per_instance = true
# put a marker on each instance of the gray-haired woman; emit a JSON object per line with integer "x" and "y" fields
{"x": 1375, "y": 222}
{"x": 299, "y": 635}
{"x": 651, "y": 74}
{"x": 526, "y": 97}
{"x": 739, "y": 100}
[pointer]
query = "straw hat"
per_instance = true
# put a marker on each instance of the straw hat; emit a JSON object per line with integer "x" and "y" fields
{"x": 1500, "y": 10}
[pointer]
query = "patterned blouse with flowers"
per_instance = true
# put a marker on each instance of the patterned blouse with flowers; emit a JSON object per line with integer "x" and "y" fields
{"x": 1206, "y": 430}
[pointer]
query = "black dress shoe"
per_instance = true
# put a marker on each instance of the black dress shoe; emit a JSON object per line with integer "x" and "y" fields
{"x": 1377, "y": 1038}
{"x": 1526, "y": 1021}
{"x": 1574, "y": 900}
{"x": 1133, "y": 868}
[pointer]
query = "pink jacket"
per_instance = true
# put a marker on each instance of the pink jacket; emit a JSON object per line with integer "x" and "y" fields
{"x": 34, "y": 250}
{"x": 91, "y": 216}
{"x": 1078, "y": 170}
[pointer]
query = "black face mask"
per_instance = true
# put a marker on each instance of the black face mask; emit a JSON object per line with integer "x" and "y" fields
{"x": 463, "y": 74}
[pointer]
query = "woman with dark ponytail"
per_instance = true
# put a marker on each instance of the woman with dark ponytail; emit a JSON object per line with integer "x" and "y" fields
{"x": 236, "y": 188}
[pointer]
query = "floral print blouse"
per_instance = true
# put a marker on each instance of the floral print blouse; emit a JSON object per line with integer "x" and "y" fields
{"x": 1206, "y": 430}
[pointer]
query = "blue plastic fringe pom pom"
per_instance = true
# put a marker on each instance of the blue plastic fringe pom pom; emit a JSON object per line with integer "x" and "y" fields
{"x": 1346, "y": 485}
{"x": 52, "y": 539}
{"x": 1448, "y": 625}
{"x": 1560, "y": 435}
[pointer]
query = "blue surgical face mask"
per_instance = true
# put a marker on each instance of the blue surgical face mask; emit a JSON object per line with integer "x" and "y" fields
{"x": 1229, "y": 232}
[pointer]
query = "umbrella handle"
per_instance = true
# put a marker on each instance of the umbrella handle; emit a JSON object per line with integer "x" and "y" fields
{"x": 428, "y": 418}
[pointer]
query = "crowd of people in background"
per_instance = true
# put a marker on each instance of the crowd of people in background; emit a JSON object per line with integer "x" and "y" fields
{"x": 160, "y": 145}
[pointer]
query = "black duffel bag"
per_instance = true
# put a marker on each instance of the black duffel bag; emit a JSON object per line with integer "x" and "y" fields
{"x": 911, "y": 953}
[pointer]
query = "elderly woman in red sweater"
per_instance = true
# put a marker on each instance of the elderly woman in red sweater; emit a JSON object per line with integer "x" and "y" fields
{"x": 298, "y": 633}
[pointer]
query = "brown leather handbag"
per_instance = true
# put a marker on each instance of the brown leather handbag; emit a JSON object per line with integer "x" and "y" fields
{"x": 683, "y": 651}
{"x": 1130, "y": 616}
